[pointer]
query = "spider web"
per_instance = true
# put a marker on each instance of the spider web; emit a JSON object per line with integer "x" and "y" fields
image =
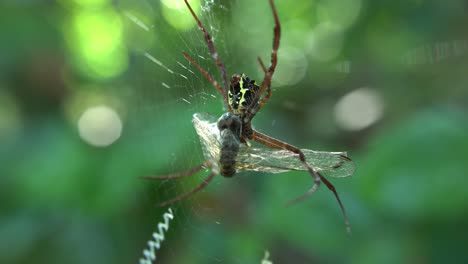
{"x": 207, "y": 222}
{"x": 164, "y": 112}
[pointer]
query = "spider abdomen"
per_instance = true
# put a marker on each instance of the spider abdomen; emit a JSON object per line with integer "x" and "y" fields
{"x": 241, "y": 94}
{"x": 229, "y": 126}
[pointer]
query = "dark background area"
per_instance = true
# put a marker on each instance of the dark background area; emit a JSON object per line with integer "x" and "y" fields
{"x": 96, "y": 93}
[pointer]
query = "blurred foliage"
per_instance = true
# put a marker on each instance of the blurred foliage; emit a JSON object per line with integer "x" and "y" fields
{"x": 65, "y": 200}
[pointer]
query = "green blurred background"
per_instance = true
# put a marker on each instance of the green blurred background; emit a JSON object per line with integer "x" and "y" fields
{"x": 95, "y": 93}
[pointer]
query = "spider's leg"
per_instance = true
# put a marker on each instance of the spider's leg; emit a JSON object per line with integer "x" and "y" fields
{"x": 202, "y": 185}
{"x": 318, "y": 178}
{"x": 178, "y": 174}
{"x": 267, "y": 96}
{"x": 273, "y": 61}
{"x": 262, "y": 65}
{"x": 207, "y": 75}
{"x": 274, "y": 51}
{"x": 277, "y": 144}
{"x": 332, "y": 188}
{"x": 213, "y": 53}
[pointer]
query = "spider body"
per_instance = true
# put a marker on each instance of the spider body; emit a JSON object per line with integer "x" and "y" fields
{"x": 225, "y": 142}
{"x": 242, "y": 93}
{"x": 242, "y": 96}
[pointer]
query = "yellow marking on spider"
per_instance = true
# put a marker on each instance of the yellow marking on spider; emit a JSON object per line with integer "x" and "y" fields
{"x": 243, "y": 91}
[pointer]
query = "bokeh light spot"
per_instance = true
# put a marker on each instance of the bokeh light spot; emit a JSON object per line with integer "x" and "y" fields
{"x": 293, "y": 67}
{"x": 358, "y": 109}
{"x": 96, "y": 41}
{"x": 333, "y": 11}
{"x": 325, "y": 42}
{"x": 177, "y": 14}
{"x": 78, "y": 4}
{"x": 100, "y": 126}
{"x": 91, "y": 3}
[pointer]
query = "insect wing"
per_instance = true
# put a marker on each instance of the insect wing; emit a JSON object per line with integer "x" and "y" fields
{"x": 207, "y": 129}
{"x": 264, "y": 159}
{"x": 331, "y": 164}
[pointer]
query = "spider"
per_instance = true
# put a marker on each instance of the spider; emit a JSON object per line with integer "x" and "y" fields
{"x": 226, "y": 141}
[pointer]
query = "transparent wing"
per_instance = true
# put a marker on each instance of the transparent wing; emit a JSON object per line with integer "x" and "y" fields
{"x": 265, "y": 159}
{"x": 207, "y": 130}
{"x": 331, "y": 164}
